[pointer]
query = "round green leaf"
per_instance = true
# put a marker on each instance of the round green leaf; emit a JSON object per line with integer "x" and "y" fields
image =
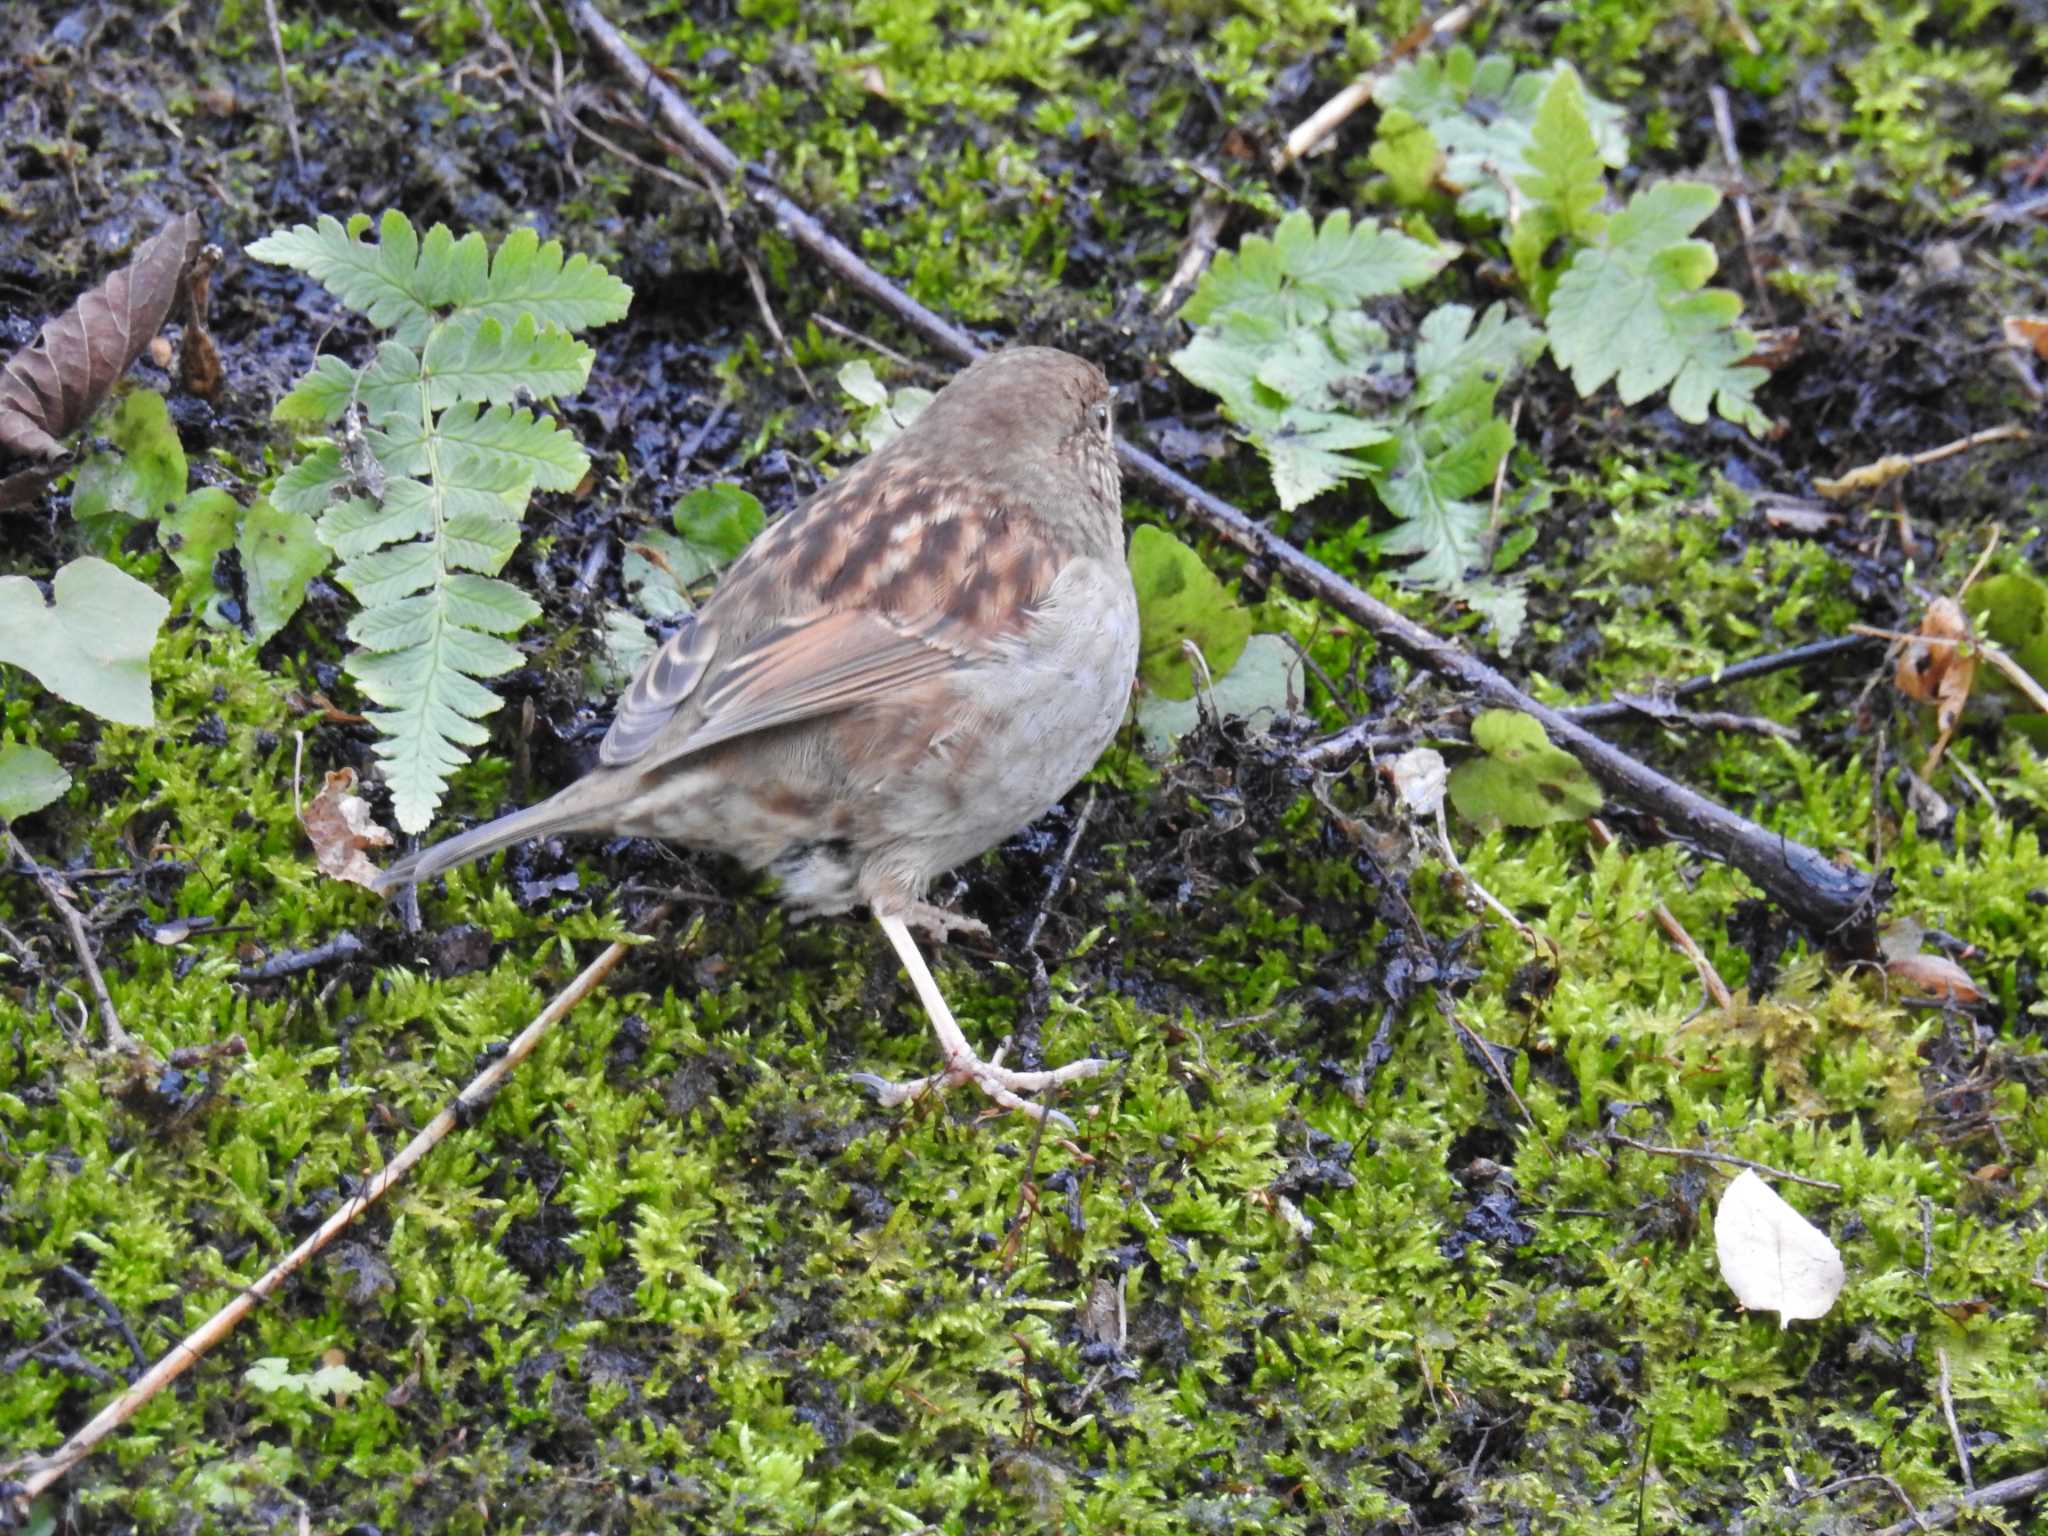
{"x": 1523, "y": 780}
{"x": 1179, "y": 598}
{"x": 29, "y": 780}
{"x": 91, "y": 646}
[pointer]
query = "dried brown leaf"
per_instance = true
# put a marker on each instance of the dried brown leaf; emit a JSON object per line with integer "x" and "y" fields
{"x": 50, "y": 388}
{"x": 340, "y": 825}
{"x": 1934, "y": 976}
{"x": 1937, "y": 666}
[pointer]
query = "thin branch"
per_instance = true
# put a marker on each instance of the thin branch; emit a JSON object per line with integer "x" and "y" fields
{"x": 1898, "y": 1492}
{"x": 1675, "y": 931}
{"x": 284, "y": 88}
{"x": 117, "y": 1038}
{"x": 1948, "y": 1412}
{"x": 93, "y": 1294}
{"x": 2011, "y": 1490}
{"x": 343, "y": 946}
{"x": 1327, "y": 118}
{"x": 1696, "y": 1155}
{"x": 1839, "y": 902}
{"x": 1745, "y": 218}
{"x": 1628, "y": 707}
{"x": 39, "y": 1472}
{"x": 848, "y": 333}
{"x": 1205, "y": 230}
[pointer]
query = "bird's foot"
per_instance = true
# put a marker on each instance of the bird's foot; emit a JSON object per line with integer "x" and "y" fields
{"x": 1004, "y": 1087}
{"x": 939, "y": 925}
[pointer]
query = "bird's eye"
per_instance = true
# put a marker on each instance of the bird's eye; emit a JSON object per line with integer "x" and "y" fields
{"x": 1102, "y": 418}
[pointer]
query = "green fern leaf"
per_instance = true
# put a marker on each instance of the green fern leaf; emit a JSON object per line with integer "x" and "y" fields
{"x": 423, "y": 508}
{"x": 1304, "y": 272}
{"x": 531, "y": 278}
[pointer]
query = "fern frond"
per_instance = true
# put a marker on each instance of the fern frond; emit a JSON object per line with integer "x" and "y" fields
{"x": 423, "y": 507}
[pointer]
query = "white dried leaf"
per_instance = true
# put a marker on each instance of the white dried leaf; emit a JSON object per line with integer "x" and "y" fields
{"x": 1418, "y": 777}
{"x": 1774, "y": 1259}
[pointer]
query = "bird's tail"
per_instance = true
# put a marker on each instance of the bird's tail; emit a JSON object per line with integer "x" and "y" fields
{"x": 535, "y": 821}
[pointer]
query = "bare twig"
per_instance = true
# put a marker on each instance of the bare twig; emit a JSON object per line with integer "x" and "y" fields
{"x": 1948, "y": 1412}
{"x": 284, "y": 88}
{"x": 1820, "y": 893}
{"x": 1697, "y": 1155}
{"x": 1628, "y": 707}
{"x": 1205, "y": 229}
{"x": 1327, "y": 118}
{"x": 2011, "y": 1490}
{"x": 1896, "y": 466}
{"x": 848, "y": 333}
{"x": 93, "y": 1294}
{"x": 1912, "y": 1510}
{"x": 1060, "y": 869}
{"x": 1675, "y": 931}
{"x": 53, "y": 892}
{"x": 38, "y": 1472}
{"x": 343, "y": 946}
{"x": 1745, "y": 219}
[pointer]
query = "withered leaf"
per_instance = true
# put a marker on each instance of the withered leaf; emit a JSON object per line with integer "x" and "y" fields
{"x": 51, "y": 387}
{"x": 1938, "y": 668}
{"x": 338, "y": 822}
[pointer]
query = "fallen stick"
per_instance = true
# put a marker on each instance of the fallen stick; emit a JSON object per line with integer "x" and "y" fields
{"x": 39, "y": 1472}
{"x": 1837, "y": 902}
{"x": 1330, "y": 116}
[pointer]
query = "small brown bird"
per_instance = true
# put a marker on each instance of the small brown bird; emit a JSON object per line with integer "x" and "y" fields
{"x": 912, "y": 665}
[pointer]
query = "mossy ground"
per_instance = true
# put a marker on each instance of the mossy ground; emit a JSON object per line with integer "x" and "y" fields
{"x": 683, "y": 1275}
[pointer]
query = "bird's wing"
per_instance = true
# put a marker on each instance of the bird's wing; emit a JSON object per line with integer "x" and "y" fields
{"x": 893, "y": 575}
{"x": 819, "y": 666}
{"x": 664, "y": 681}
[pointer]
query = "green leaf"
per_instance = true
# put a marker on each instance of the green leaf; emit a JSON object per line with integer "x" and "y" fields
{"x": 427, "y": 512}
{"x": 315, "y": 484}
{"x": 2014, "y": 606}
{"x": 89, "y": 646}
{"x": 485, "y": 360}
{"x": 883, "y": 413}
{"x": 404, "y": 284}
{"x": 194, "y": 533}
{"x": 321, "y": 396}
{"x": 420, "y": 659}
{"x": 1631, "y": 309}
{"x": 1281, "y": 386}
{"x": 1565, "y": 177}
{"x": 29, "y": 780}
{"x": 1304, "y": 272}
{"x": 1406, "y": 153}
{"x": 140, "y": 475}
{"x": 1308, "y": 453}
{"x": 1523, "y": 780}
{"x": 1179, "y": 598}
{"x": 1484, "y": 116}
{"x": 272, "y": 1373}
{"x": 716, "y": 522}
{"x": 858, "y": 379}
{"x": 397, "y": 283}
{"x": 623, "y": 644}
{"x": 530, "y": 277}
{"x": 280, "y": 554}
{"x": 1450, "y": 350}
{"x": 1564, "y": 184}
{"x": 1265, "y": 683}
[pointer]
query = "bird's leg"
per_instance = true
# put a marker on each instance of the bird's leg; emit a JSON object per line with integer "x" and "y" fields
{"x": 1003, "y": 1086}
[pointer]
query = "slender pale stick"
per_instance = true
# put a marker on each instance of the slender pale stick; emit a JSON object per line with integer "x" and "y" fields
{"x": 40, "y": 1471}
